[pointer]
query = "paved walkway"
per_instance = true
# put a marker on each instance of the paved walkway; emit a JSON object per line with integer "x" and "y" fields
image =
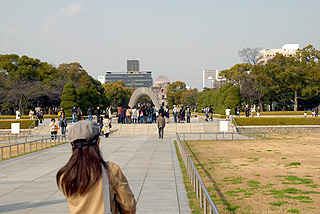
{"x": 27, "y": 183}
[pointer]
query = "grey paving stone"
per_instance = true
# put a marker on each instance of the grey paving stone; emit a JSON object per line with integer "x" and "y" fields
{"x": 27, "y": 184}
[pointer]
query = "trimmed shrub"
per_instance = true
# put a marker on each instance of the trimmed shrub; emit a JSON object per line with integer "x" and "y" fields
{"x": 24, "y": 124}
{"x": 272, "y": 121}
{"x": 68, "y": 98}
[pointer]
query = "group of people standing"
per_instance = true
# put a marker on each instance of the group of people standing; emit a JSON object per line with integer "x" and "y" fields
{"x": 180, "y": 113}
{"x": 143, "y": 114}
{"x": 150, "y": 114}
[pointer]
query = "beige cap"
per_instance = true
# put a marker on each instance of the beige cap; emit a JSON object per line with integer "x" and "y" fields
{"x": 83, "y": 130}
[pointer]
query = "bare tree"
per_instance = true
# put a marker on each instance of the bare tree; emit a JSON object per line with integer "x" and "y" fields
{"x": 249, "y": 55}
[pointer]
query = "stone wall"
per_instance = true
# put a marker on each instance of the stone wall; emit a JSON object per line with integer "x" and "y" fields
{"x": 282, "y": 129}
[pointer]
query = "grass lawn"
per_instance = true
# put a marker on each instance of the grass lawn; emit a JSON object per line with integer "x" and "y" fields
{"x": 27, "y": 148}
{"x": 277, "y": 175}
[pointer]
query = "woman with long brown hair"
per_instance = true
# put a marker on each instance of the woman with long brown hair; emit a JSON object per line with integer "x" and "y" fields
{"x": 90, "y": 184}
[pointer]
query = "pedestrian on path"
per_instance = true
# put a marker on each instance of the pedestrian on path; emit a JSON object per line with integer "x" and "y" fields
{"x": 89, "y": 113}
{"x": 74, "y": 114}
{"x": 161, "y": 124}
{"x": 79, "y": 113}
{"x": 228, "y": 110}
{"x": 53, "y": 129}
{"x": 31, "y": 113}
{"x": 106, "y": 126}
{"x": 90, "y": 184}
{"x": 188, "y": 114}
{"x": 206, "y": 111}
{"x": 63, "y": 124}
{"x": 18, "y": 114}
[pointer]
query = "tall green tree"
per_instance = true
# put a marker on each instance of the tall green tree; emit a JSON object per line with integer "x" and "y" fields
{"x": 190, "y": 97}
{"x": 117, "y": 94}
{"x": 174, "y": 93}
{"x": 68, "y": 98}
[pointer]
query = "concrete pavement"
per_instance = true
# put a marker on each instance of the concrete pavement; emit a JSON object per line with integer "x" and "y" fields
{"x": 27, "y": 183}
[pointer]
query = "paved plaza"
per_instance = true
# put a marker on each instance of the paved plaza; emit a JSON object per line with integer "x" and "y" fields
{"x": 28, "y": 185}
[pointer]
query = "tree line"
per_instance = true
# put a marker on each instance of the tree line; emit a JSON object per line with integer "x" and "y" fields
{"x": 285, "y": 80}
{"x": 26, "y": 83}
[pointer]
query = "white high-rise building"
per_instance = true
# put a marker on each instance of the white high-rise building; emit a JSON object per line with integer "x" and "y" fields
{"x": 266, "y": 55}
{"x": 209, "y": 76}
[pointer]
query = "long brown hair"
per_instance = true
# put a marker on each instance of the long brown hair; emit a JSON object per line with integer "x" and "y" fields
{"x": 82, "y": 171}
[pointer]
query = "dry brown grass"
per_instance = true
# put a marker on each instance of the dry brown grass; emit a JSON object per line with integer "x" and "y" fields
{"x": 277, "y": 175}
{"x": 24, "y": 149}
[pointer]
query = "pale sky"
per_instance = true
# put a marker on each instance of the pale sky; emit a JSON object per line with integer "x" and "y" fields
{"x": 174, "y": 38}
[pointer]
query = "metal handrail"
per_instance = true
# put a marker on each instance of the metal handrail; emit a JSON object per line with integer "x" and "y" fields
{"x": 43, "y": 140}
{"x": 31, "y": 125}
{"x": 251, "y": 134}
{"x": 234, "y": 121}
{"x": 196, "y": 180}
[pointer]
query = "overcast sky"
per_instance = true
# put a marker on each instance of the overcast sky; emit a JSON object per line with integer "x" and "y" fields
{"x": 175, "y": 38}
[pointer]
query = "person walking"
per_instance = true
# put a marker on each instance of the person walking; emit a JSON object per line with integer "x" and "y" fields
{"x": 188, "y": 111}
{"x": 182, "y": 114}
{"x": 150, "y": 113}
{"x": 106, "y": 126}
{"x": 98, "y": 114}
{"x": 161, "y": 123}
{"x": 141, "y": 114}
{"x": 119, "y": 109}
{"x": 63, "y": 124}
{"x": 53, "y": 129}
{"x": 211, "y": 113}
{"x": 41, "y": 114}
{"x": 246, "y": 110}
{"x": 258, "y": 111}
{"x": 89, "y": 112}
{"x": 145, "y": 114}
{"x": 175, "y": 112}
{"x": 60, "y": 112}
{"x": 18, "y": 114}
{"x": 166, "y": 113}
{"x": 316, "y": 110}
{"x": 129, "y": 115}
{"x": 206, "y": 111}
{"x": 74, "y": 114}
{"x": 253, "y": 110}
{"x": 228, "y": 110}
{"x": 93, "y": 186}
{"x": 237, "y": 111}
{"x": 31, "y": 113}
{"x": 123, "y": 115}
{"x": 79, "y": 113}
{"x": 134, "y": 115}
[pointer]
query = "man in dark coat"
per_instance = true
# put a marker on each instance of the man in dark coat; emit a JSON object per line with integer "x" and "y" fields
{"x": 161, "y": 124}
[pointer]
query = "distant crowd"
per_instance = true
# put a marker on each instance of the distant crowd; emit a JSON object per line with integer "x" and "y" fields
{"x": 150, "y": 113}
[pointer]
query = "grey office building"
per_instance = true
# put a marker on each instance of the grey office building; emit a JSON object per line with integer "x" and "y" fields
{"x": 133, "y": 65}
{"x": 132, "y": 79}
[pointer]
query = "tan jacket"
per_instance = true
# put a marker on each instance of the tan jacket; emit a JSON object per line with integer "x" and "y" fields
{"x": 92, "y": 202}
{"x": 161, "y": 122}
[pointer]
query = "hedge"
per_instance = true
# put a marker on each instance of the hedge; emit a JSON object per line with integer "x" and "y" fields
{"x": 24, "y": 124}
{"x": 26, "y": 116}
{"x": 270, "y": 113}
{"x": 272, "y": 121}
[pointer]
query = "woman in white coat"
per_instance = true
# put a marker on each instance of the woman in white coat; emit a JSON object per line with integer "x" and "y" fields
{"x": 106, "y": 126}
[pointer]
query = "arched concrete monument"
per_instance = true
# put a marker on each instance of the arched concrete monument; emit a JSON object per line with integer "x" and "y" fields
{"x": 140, "y": 92}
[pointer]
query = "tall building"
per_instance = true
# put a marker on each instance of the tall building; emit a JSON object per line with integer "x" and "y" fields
{"x": 211, "y": 79}
{"x": 133, "y": 65}
{"x": 132, "y": 79}
{"x": 266, "y": 55}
